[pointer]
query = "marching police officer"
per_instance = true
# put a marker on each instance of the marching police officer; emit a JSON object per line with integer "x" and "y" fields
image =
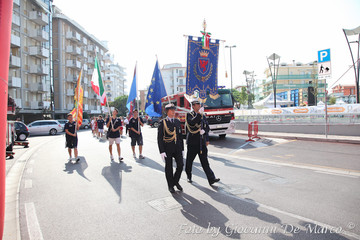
{"x": 171, "y": 146}
{"x": 197, "y": 140}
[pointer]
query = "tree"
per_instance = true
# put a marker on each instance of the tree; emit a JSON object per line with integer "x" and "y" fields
{"x": 332, "y": 100}
{"x": 120, "y": 104}
{"x": 243, "y": 96}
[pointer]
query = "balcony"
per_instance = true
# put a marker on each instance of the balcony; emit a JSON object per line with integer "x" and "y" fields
{"x": 15, "y": 41}
{"x": 16, "y": 2}
{"x": 85, "y": 67}
{"x": 39, "y": 87}
{"x": 38, "y": 51}
{"x": 73, "y": 50}
{"x": 90, "y": 48}
{"x": 84, "y": 41}
{"x": 16, "y": 20}
{"x": 44, "y": 104}
{"x": 73, "y": 64}
{"x": 86, "y": 94}
{"x": 71, "y": 78}
{"x": 39, "y": 17}
{"x": 70, "y": 92}
{"x": 86, "y": 107}
{"x": 90, "y": 71}
{"x": 85, "y": 54}
{"x": 39, "y": 35}
{"x": 74, "y": 36}
{"x": 70, "y": 106}
{"x": 15, "y": 82}
{"x": 15, "y": 62}
{"x": 86, "y": 80}
{"x": 91, "y": 60}
{"x": 18, "y": 102}
{"x": 39, "y": 70}
{"x": 34, "y": 105}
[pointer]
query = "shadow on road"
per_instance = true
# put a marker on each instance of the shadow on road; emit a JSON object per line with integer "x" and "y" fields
{"x": 209, "y": 219}
{"x": 79, "y": 167}
{"x": 231, "y": 164}
{"x": 113, "y": 174}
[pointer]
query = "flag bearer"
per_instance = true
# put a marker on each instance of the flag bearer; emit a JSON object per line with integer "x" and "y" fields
{"x": 171, "y": 146}
{"x": 197, "y": 140}
{"x": 71, "y": 137}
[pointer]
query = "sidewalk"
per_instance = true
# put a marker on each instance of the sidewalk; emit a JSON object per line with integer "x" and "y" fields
{"x": 306, "y": 137}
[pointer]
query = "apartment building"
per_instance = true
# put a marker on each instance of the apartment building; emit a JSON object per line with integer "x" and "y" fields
{"x": 296, "y": 82}
{"x": 174, "y": 78}
{"x": 114, "y": 81}
{"x": 74, "y": 49}
{"x": 30, "y": 69}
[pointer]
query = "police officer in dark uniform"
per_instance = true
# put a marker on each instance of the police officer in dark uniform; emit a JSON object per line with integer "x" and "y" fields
{"x": 171, "y": 146}
{"x": 197, "y": 139}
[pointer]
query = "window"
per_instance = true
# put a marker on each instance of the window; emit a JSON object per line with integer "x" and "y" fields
{"x": 182, "y": 102}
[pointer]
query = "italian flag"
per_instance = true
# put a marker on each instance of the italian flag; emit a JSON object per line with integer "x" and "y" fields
{"x": 97, "y": 83}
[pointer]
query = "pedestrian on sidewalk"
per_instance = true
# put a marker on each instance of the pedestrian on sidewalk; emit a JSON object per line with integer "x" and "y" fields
{"x": 126, "y": 122}
{"x": 135, "y": 133}
{"x": 197, "y": 140}
{"x": 71, "y": 137}
{"x": 100, "y": 125}
{"x": 93, "y": 126}
{"x": 171, "y": 145}
{"x": 114, "y": 125}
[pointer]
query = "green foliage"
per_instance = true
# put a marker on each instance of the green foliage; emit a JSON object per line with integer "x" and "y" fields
{"x": 332, "y": 100}
{"x": 240, "y": 98}
{"x": 120, "y": 104}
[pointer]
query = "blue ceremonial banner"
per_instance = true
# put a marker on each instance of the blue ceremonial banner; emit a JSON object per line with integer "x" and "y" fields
{"x": 202, "y": 67}
{"x": 133, "y": 92}
{"x": 156, "y": 92}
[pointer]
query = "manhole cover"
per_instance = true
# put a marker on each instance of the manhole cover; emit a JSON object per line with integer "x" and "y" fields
{"x": 168, "y": 203}
{"x": 236, "y": 189}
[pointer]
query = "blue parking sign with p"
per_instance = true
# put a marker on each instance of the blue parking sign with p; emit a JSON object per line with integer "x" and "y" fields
{"x": 324, "y": 55}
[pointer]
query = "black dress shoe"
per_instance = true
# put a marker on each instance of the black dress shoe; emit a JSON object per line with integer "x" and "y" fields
{"x": 189, "y": 180}
{"x": 171, "y": 189}
{"x": 178, "y": 187}
{"x": 214, "y": 181}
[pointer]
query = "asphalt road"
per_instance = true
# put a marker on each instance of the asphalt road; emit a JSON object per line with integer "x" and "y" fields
{"x": 270, "y": 189}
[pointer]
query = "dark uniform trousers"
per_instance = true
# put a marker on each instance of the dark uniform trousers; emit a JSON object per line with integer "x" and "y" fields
{"x": 192, "y": 151}
{"x": 173, "y": 149}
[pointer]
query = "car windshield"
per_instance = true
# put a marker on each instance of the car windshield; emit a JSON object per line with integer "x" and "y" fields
{"x": 223, "y": 101}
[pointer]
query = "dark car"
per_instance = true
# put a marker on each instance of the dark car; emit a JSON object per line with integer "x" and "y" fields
{"x": 21, "y": 130}
{"x": 153, "y": 121}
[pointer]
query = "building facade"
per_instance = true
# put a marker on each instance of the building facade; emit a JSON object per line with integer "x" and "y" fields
{"x": 174, "y": 78}
{"x": 296, "y": 82}
{"x": 30, "y": 69}
{"x": 114, "y": 81}
{"x": 345, "y": 93}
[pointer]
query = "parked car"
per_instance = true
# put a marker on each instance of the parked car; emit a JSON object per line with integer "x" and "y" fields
{"x": 85, "y": 124}
{"x": 21, "y": 130}
{"x": 51, "y": 127}
{"x": 62, "y": 122}
{"x": 154, "y": 121}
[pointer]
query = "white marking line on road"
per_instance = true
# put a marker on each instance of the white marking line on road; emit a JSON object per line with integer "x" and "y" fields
{"x": 292, "y": 164}
{"x": 32, "y": 222}
{"x": 28, "y": 183}
{"x": 239, "y": 148}
{"x": 337, "y": 174}
{"x": 324, "y": 225}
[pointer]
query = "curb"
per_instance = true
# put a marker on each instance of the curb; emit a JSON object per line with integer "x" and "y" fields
{"x": 304, "y": 138}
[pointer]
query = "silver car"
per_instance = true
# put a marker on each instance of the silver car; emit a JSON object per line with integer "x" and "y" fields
{"x": 51, "y": 127}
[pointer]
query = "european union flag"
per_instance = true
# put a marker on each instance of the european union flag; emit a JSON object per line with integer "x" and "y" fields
{"x": 202, "y": 68}
{"x": 156, "y": 92}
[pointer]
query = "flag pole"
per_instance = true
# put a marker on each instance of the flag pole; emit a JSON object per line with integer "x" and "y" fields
{"x": 161, "y": 76}
{"x": 137, "y": 100}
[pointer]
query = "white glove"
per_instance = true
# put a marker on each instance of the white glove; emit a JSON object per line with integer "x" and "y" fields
{"x": 163, "y": 156}
{"x": 202, "y": 131}
{"x": 183, "y": 154}
{"x": 201, "y": 110}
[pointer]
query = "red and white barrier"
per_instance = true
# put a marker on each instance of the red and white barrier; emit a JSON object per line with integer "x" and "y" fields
{"x": 253, "y": 134}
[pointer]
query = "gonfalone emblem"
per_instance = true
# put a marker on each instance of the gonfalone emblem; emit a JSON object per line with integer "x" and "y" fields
{"x": 202, "y": 65}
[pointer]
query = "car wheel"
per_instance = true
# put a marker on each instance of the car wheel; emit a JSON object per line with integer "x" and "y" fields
{"x": 222, "y": 136}
{"x": 86, "y": 127}
{"x": 21, "y": 137}
{"x": 156, "y": 124}
{"x": 53, "y": 131}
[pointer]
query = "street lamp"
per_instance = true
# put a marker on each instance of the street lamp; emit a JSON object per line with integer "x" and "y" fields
{"x": 249, "y": 77}
{"x": 356, "y": 65}
{"x": 234, "y": 46}
{"x": 274, "y": 73}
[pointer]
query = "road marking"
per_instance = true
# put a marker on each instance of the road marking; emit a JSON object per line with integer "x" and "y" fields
{"x": 337, "y": 174}
{"x": 28, "y": 183}
{"x": 294, "y": 164}
{"x": 301, "y": 218}
{"x": 32, "y": 222}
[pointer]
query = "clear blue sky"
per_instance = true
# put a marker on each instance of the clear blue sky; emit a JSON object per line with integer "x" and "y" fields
{"x": 295, "y": 30}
